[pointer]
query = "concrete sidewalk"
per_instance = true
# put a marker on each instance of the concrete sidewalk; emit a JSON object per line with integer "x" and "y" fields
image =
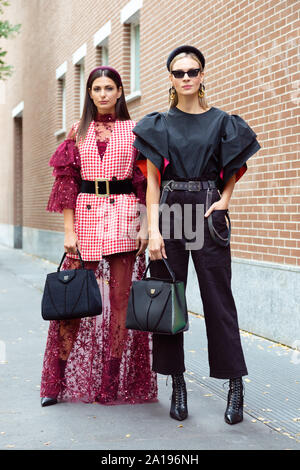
{"x": 272, "y": 396}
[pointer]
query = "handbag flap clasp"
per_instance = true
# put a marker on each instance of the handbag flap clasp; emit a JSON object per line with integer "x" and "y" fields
{"x": 154, "y": 288}
{"x": 66, "y": 276}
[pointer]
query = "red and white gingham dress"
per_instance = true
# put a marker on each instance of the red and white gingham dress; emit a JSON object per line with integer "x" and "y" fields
{"x": 106, "y": 225}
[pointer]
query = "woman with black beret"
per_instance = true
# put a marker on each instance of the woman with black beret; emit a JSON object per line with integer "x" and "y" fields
{"x": 195, "y": 154}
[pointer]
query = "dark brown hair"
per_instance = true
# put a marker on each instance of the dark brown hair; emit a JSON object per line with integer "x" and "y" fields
{"x": 89, "y": 112}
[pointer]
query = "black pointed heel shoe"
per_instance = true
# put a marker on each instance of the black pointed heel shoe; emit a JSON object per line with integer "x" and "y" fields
{"x": 235, "y": 401}
{"x": 47, "y": 401}
{"x": 179, "y": 409}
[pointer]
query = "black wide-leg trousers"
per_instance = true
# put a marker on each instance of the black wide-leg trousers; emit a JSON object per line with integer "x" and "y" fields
{"x": 212, "y": 263}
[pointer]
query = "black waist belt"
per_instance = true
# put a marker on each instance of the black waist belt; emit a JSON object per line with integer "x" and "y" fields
{"x": 105, "y": 187}
{"x": 189, "y": 185}
{"x": 172, "y": 185}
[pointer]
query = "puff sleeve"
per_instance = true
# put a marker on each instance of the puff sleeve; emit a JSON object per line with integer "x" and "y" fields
{"x": 152, "y": 141}
{"x": 66, "y": 164}
{"x": 139, "y": 180}
{"x": 238, "y": 144}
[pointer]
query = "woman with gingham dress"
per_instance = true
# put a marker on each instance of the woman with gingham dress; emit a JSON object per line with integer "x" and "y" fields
{"x": 100, "y": 190}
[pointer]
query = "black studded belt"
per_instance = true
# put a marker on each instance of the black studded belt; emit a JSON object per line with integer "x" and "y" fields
{"x": 104, "y": 188}
{"x": 173, "y": 185}
{"x": 189, "y": 185}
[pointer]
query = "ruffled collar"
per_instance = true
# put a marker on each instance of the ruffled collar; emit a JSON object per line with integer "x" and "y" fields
{"x": 105, "y": 117}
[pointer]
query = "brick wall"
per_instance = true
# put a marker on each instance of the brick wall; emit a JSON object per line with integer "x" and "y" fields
{"x": 251, "y": 50}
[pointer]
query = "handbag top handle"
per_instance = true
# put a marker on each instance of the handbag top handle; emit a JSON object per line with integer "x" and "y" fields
{"x": 171, "y": 272}
{"x": 64, "y": 255}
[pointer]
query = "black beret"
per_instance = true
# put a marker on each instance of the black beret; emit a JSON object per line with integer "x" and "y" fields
{"x": 181, "y": 49}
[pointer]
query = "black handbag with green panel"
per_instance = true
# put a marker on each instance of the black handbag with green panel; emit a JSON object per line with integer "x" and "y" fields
{"x": 157, "y": 305}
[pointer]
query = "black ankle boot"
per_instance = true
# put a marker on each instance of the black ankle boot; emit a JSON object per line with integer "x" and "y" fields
{"x": 235, "y": 401}
{"x": 179, "y": 398}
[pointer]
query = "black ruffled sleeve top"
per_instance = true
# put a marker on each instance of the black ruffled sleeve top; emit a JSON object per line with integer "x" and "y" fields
{"x": 212, "y": 145}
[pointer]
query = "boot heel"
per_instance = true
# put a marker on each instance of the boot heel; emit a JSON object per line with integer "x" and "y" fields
{"x": 235, "y": 401}
{"x": 179, "y": 408}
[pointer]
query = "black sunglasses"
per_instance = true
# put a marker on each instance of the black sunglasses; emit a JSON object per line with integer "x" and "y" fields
{"x": 192, "y": 73}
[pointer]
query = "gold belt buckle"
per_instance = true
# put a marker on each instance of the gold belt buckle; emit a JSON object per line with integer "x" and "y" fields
{"x": 107, "y": 187}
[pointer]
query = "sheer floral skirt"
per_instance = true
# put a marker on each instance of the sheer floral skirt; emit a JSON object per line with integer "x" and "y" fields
{"x": 97, "y": 359}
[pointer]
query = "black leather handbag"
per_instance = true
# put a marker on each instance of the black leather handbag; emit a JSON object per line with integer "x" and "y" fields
{"x": 157, "y": 305}
{"x": 71, "y": 294}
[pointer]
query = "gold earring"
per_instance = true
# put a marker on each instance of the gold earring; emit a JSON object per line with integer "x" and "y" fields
{"x": 201, "y": 91}
{"x": 172, "y": 93}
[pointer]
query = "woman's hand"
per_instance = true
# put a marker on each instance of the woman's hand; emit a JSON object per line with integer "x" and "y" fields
{"x": 156, "y": 246}
{"x": 141, "y": 241}
{"x": 221, "y": 204}
{"x": 71, "y": 242}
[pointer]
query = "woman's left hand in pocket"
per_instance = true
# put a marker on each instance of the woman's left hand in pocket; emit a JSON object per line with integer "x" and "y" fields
{"x": 218, "y": 205}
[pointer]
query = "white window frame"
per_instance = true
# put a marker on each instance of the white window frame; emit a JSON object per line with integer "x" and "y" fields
{"x": 130, "y": 14}
{"x": 104, "y": 54}
{"x": 18, "y": 110}
{"x": 134, "y": 66}
{"x": 102, "y": 34}
{"x": 79, "y": 54}
{"x": 61, "y": 70}
{"x": 78, "y": 60}
{"x": 60, "y": 73}
{"x": 81, "y": 86}
{"x": 101, "y": 38}
{"x": 64, "y": 103}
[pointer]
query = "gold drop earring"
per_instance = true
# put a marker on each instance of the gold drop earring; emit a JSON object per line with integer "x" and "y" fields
{"x": 172, "y": 93}
{"x": 201, "y": 91}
